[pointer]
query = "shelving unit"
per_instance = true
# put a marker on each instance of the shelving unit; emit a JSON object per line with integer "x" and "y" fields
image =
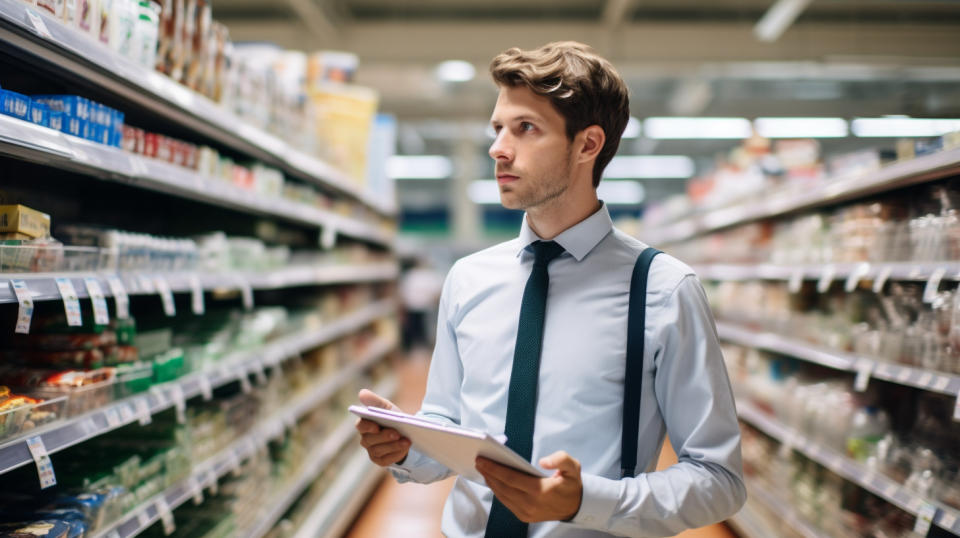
{"x": 752, "y": 523}
{"x": 849, "y": 273}
{"x": 878, "y": 484}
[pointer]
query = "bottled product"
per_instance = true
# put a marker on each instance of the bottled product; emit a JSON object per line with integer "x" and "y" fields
{"x": 868, "y": 427}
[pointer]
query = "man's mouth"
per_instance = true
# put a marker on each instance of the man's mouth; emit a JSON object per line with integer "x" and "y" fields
{"x": 503, "y": 179}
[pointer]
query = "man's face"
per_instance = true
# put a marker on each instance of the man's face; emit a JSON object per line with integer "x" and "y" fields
{"x": 531, "y": 149}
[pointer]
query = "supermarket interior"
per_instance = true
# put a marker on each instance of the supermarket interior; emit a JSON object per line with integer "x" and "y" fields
{"x": 220, "y": 220}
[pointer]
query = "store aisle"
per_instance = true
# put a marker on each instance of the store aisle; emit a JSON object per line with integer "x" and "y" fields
{"x": 413, "y": 510}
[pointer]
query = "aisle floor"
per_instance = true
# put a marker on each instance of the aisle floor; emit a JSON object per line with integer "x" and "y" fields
{"x": 414, "y": 510}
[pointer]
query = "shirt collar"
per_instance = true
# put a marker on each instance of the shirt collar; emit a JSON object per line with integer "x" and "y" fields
{"x": 579, "y": 239}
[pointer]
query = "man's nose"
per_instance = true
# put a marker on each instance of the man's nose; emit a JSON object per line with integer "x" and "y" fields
{"x": 502, "y": 149}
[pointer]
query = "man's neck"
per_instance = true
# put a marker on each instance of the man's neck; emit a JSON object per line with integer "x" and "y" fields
{"x": 563, "y": 214}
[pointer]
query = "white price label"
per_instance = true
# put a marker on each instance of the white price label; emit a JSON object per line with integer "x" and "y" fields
{"x": 796, "y": 281}
{"x": 120, "y": 297}
{"x": 179, "y": 402}
{"x": 38, "y": 25}
{"x": 328, "y": 238}
{"x": 127, "y": 412}
{"x": 101, "y": 316}
{"x": 212, "y": 482}
{"x": 826, "y": 279}
{"x": 947, "y": 521}
{"x": 142, "y": 406}
{"x": 246, "y": 293}
{"x": 858, "y": 273}
{"x": 113, "y": 534}
{"x": 206, "y": 388}
{"x": 196, "y": 491}
{"x": 925, "y": 516}
{"x": 233, "y": 463}
{"x": 259, "y": 371}
{"x": 71, "y": 303}
{"x": 166, "y": 517}
{"x": 881, "y": 279}
{"x": 166, "y": 296}
{"x": 42, "y": 460}
{"x": 903, "y": 375}
{"x": 933, "y": 285}
{"x": 941, "y": 383}
{"x": 890, "y": 490}
{"x": 925, "y": 379}
{"x": 864, "y": 369}
{"x": 196, "y": 296}
{"x": 25, "y": 311}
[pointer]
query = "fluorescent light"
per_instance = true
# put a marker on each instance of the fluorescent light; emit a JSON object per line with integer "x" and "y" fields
{"x": 664, "y": 128}
{"x": 484, "y": 191}
{"x": 419, "y": 167}
{"x": 650, "y": 167}
{"x": 621, "y": 192}
{"x": 903, "y": 127}
{"x": 801, "y": 127}
{"x": 633, "y": 128}
{"x": 455, "y": 71}
{"x": 778, "y": 18}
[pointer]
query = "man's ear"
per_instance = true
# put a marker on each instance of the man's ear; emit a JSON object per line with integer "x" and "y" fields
{"x": 592, "y": 141}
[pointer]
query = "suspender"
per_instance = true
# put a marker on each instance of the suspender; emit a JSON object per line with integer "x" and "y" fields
{"x": 636, "y": 318}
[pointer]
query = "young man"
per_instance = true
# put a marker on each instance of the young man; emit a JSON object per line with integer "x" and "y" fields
{"x": 532, "y": 333}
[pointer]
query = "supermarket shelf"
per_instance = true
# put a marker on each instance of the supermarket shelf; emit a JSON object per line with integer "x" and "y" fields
{"x": 43, "y": 286}
{"x": 893, "y": 176}
{"x": 904, "y": 375}
{"x": 65, "y": 434}
{"x": 843, "y": 272}
{"x": 785, "y": 511}
{"x": 27, "y": 141}
{"x": 69, "y": 53}
{"x": 751, "y": 523}
{"x": 878, "y": 484}
{"x": 223, "y": 462}
{"x": 335, "y": 511}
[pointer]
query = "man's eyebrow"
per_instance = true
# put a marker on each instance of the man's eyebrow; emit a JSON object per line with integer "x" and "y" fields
{"x": 522, "y": 117}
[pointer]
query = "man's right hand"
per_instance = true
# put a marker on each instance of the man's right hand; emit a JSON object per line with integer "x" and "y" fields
{"x": 385, "y": 446}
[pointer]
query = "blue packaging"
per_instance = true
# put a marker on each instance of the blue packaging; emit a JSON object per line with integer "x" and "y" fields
{"x": 73, "y": 105}
{"x": 40, "y": 114}
{"x": 15, "y": 104}
{"x": 55, "y": 120}
{"x": 116, "y": 136}
{"x": 73, "y": 125}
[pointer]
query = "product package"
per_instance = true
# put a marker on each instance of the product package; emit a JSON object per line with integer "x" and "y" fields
{"x": 24, "y": 220}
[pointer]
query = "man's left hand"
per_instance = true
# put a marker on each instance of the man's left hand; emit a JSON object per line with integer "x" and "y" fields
{"x": 532, "y": 499}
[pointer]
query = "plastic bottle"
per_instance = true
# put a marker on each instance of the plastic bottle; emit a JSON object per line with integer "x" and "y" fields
{"x": 867, "y": 429}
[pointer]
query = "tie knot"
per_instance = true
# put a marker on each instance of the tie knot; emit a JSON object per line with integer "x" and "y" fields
{"x": 545, "y": 251}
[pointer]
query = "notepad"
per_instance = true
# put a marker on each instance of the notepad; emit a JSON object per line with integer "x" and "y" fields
{"x": 453, "y": 446}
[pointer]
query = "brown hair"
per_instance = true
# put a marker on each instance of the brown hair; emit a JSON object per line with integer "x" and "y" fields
{"x": 584, "y": 88}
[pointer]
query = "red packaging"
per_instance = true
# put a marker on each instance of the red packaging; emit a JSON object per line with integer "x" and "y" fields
{"x": 151, "y": 143}
{"x": 242, "y": 177}
{"x": 164, "y": 149}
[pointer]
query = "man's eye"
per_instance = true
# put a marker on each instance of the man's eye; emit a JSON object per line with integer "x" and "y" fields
{"x": 526, "y": 126}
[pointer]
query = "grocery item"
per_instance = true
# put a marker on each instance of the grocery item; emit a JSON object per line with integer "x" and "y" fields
{"x": 24, "y": 220}
{"x": 15, "y": 104}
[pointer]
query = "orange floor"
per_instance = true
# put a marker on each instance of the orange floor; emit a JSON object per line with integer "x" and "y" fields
{"x": 413, "y": 510}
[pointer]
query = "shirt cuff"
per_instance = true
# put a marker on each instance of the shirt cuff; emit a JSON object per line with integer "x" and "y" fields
{"x": 600, "y": 498}
{"x": 405, "y": 472}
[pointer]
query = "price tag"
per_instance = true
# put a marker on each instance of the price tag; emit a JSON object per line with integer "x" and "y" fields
{"x": 120, "y": 297}
{"x": 259, "y": 372}
{"x": 101, "y": 315}
{"x": 143, "y": 411}
{"x": 942, "y": 383}
{"x": 44, "y": 466}
{"x": 890, "y": 490}
{"x": 328, "y": 237}
{"x": 796, "y": 281}
{"x": 246, "y": 293}
{"x": 179, "y": 403}
{"x": 244, "y": 380}
{"x": 206, "y": 389}
{"x": 166, "y": 517}
{"x": 196, "y": 296}
{"x": 858, "y": 272}
{"x": 826, "y": 279}
{"x": 25, "y": 312}
{"x": 113, "y": 417}
{"x": 213, "y": 482}
{"x": 924, "y": 519}
{"x": 196, "y": 491}
{"x": 127, "y": 413}
{"x": 925, "y": 379}
{"x": 233, "y": 463}
{"x": 933, "y": 285}
{"x": 143, "y": 520}
{"x": 71, "y": 304}
{"x": 38, "y": 25}
{"x": 881, "y": 279}
{"x": 903, "y": 375}
{"x": 166, "y": 296}
{"x": 947, "y": 521}
{"x": 864, "y": 369}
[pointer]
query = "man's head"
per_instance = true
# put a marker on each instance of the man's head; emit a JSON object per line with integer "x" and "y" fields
{"x": 581, "y": 86}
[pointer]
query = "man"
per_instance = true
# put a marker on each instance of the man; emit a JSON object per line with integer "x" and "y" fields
{"x": 558, "y": 121}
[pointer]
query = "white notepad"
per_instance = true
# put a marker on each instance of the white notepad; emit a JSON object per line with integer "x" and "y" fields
{"x": 453, "y": 446}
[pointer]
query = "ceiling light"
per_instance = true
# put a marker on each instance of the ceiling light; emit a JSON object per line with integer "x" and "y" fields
{"x": 664, "y": 128}
{"x": 621, "y": 192}
{"x": 419, "y": 167}
{"x": 903, "y": 127}
{"x": 801, "y": 127}
{"x": 650, "y": 167}
{"x": 455, "y": 71}
{"x": 633, "y": 129}
{"x": 484, "y": 191}
{"x": 778, "y": 18}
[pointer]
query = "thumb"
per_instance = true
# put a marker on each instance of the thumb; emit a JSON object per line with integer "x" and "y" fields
{"x": 564, "y": 463}
{"x": 372, "y": 399}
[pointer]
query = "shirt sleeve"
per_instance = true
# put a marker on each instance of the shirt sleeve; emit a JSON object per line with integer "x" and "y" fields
{"x": 694, "y": 396}
{"x": 442, "y": 399}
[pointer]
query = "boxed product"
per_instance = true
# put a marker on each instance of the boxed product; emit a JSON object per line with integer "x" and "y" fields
{"x": 21, "y": 219}
{"x": 15, "y": 104}
{"x": 72, "y": 105}
{"x": 40, "y": 114}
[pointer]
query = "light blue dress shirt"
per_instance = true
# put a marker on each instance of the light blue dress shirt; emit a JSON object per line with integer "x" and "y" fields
{"x": 686, "y": 392}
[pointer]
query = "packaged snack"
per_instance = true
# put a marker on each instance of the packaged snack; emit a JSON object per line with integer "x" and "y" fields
{"x": 55, "y": 120}
{"x": 44, "y": 528}
{"x": 15, "y": 104}
{"x": 73, "y": 105}
{"x": 21, "y": 219}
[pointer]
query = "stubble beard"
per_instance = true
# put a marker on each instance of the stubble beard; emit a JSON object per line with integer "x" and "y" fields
{"x": 546, "y": 188}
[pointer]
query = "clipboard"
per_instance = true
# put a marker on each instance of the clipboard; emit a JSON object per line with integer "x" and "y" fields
{"x": 453, "y": 446}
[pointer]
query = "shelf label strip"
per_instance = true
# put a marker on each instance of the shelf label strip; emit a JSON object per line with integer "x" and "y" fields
{"x": 120, "y": 298}
{"x": 881, "y": 279}
{"x": 101, "y": 315}
{"x": 166, "y": 516}
{"x": 25, "y": 310}
{"x": 924, "y": 518}
{"x": 42, "y": 460}
{"x": 71, "y": 303}
{"x": 166, "y": 296}
{"x": 196, "y": 296}
{"x": 933, "y": 285}
{"x": 864, "y": 369}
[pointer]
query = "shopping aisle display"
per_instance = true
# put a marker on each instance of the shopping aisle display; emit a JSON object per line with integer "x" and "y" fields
{"x": 834, "y": 289}
{"x": 195, "y": 277}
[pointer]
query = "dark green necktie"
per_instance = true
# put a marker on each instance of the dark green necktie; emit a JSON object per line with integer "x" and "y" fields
{"x": 522, "y": 398}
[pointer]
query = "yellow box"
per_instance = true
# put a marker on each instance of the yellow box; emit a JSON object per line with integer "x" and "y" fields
{"x": 21, "y": 219}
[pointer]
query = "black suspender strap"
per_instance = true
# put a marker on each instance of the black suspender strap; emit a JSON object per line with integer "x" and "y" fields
{"x": 636, "y": 321}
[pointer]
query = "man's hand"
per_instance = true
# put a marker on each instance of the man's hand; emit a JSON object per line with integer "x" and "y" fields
{"x": 384, "y": 446}
{"x": 533, "y": 499}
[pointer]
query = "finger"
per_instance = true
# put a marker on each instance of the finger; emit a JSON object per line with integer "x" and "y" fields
{"x": 511, "y": 497}
{"x": 372, "y": 399}
{"x": 382, "y": 450}
{"x": 561, "y": 461}
{"x": 387, "y": 459}
{"x": 367, "y": 426}
{"x": 368, "y": 440}
{"x": 516, "y": 479}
